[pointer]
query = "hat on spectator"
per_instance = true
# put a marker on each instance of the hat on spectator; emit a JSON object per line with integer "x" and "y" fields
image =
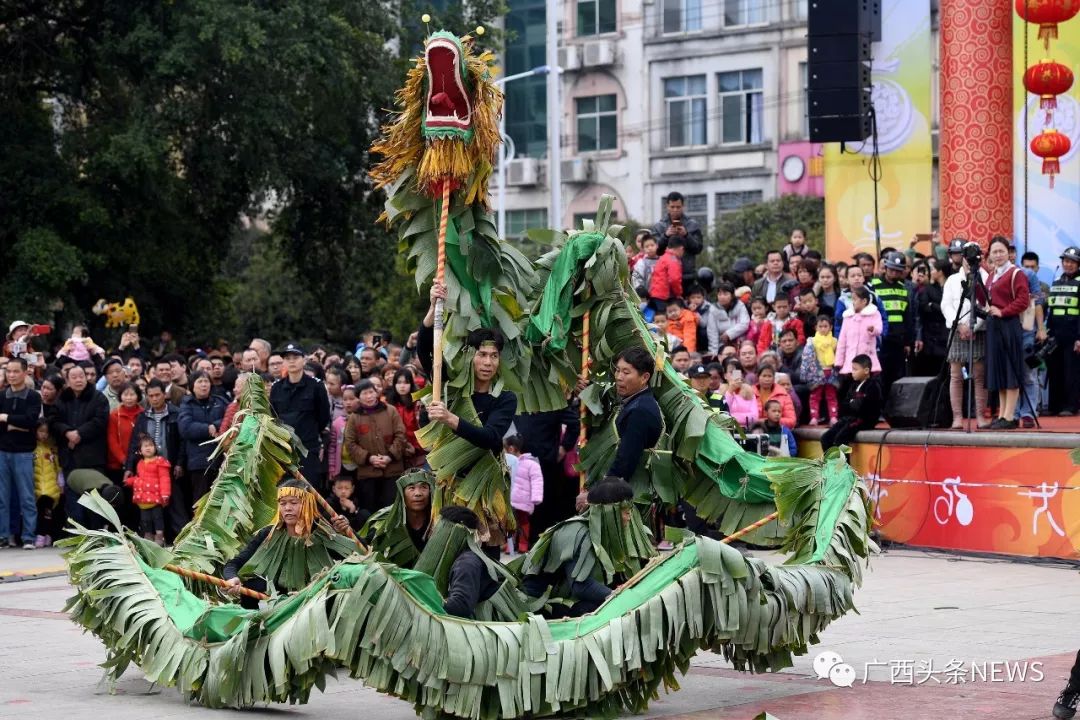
{"x": 1071, "y": 253}
{"x": 109, "y": 363}
{"x": 742, "y": 265}
{"x": 698, "y": 371}
{"x": 895, "y": 261}
{"x": 15, "y": 326}
{"x": 956, "y": 246}
{"x": 291, "y": 349}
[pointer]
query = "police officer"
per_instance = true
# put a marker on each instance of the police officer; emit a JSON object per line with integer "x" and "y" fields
{"x": 899, "y": 310}
{"x": 1063, "y": 323}
{"x": 301, "y": 402}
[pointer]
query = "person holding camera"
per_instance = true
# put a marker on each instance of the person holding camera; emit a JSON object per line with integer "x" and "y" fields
{"x": 675, "y": 224}
{"x": 969, "y": 336}
{"x": 1063, "y": 325}
{"x": 1009, "y": 296}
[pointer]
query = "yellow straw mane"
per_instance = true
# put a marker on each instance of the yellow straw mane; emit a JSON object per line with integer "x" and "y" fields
{"x": 307, "y": 510}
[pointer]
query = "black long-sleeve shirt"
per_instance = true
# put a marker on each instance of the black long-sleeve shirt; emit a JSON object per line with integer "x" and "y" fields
{"x": 639, "y": 425}
{"x": 19, "y": 433}
{"x": 862, "y": 403}
{"x": 232, "y": 568}
{"x": 495, "y": 413}
{"x": 544, "y": 435}
{"x": 470, "y": 584}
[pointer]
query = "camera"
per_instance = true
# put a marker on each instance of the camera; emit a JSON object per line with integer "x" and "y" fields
{"x": 973, "y": 254}
{"x": 1040, "y": 353}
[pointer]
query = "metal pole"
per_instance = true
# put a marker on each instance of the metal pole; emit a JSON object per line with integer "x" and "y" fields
{"x": 554, "y": 114}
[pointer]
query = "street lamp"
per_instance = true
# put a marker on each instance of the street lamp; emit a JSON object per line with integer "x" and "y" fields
{"x": 508, "y": 143}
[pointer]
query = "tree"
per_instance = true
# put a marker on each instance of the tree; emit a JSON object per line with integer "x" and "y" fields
{"x": 138, "y": 136}
{"x": 755, "y": 229}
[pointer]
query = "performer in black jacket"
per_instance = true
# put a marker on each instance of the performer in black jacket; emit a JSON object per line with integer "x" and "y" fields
{"x": 860, "y": 407}
{"x": 470, "y": 582}
{"x": 639, "y": 423}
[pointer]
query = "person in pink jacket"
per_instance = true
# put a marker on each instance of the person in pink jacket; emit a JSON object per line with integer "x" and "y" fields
{"x": 741, "y": 401}
{"x": 526, "y": 488}
{"x": 859, "y": 332}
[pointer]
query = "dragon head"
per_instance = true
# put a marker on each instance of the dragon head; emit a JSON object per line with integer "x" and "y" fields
{"x": 446, "y": 126}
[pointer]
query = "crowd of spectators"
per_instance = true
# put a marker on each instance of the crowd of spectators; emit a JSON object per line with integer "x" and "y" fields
{"x": 787, "y": 340}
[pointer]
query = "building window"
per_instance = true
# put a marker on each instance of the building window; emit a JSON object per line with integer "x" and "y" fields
{"x": 744, "y": 12}
{"x": 686, "y": 101}
{"x": 727, "y": 202}
{"x": 597, "y": 128}
{"x": 681, "y": 15}
{"x": 694, "y": 206}
{"x": 741, "y": 107}
{"x": 518, "y": 221}
{"x": 595, "y": 17}
{"x": 801, "y": 9}
{"x": 525, "y": 108}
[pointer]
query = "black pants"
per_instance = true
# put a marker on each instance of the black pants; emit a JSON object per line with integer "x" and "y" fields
{"x": 842, "y": 433}
{"x": 312, "y": 468}
{"x": 560, "y": 493}
{"x": 50, "y": 517}
{"x": 152, "y": 520}
{"x": 1063, "y": 376}
{"x": 178, "y": 513}
{"x": 376, "y": 493}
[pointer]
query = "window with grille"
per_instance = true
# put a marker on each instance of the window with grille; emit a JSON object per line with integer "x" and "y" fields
{"x": 730, "y": 201}
{"x": 681, "y": 16}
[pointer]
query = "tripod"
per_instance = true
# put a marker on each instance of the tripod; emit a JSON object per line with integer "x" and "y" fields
{"x": 969, "y": 296}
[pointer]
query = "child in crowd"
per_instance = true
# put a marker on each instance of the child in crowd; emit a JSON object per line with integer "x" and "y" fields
{"x": 152, "y": 486}
{"x": 46, "y": 486}
{"x": 341, "y": 499}
{"x": 861, "y": 406}
{"x": 644, "y": 263}
{"x": 781, "y": 439}
{"x": 858, "y": 332}
{"x": 682, "y": 323}
{"x": 511, "y": 451}
{"x": 666, "y": 281}
{"x": 662, "y": 334}
{"x": 759, "y": 316}
{"x": 779, "y": 320}
{"x": 816, "y": 371}
{"x": 526, "y": 488}
{"x": 351, "y": 400}
{"x": 796, "y": 247}
{"x": 740, "y": 399}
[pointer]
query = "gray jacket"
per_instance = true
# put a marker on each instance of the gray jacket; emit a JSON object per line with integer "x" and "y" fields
{"x": 734, "y": 322}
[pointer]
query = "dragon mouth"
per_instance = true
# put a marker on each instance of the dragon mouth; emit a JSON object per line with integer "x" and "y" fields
{"x": 447, "y": 102}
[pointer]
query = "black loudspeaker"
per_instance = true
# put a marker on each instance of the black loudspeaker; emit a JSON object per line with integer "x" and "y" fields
{"x": 839, "y": 36}
{"x": 919, "y": 402}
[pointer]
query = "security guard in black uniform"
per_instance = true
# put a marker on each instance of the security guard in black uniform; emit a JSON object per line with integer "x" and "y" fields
{"x": 900, "y": 310}
{"x": 1063, "y": 324}
{"x": 302, "y": 403}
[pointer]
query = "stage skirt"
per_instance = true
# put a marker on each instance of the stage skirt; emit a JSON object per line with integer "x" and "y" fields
{"x": 958, "y": 352}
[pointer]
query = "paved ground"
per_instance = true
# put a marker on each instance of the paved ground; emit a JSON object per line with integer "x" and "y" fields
{"x": 927, "y": 621}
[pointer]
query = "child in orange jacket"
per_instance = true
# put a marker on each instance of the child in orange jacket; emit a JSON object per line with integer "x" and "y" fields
{"x": 152, "y": 487}
{"x": 682, "y": 323}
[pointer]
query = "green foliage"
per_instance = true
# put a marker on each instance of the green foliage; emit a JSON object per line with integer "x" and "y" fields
{"x": 138, "y": 136}
{"x": 755, "y": 229}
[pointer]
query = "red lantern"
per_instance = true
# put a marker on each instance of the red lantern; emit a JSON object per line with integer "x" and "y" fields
{"x": 1047, "y": 13}
{"x": 1048, "y": 79}
{"x": 1051, "y": 145}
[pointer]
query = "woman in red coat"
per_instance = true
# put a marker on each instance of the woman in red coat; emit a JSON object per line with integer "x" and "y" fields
{"x": 1009, "y": 297}
{"x": 399, "y": 396}
{"x": 121, "y": 423}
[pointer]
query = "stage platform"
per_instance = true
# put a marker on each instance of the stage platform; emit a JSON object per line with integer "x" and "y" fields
{"x": 1015, "y": 492}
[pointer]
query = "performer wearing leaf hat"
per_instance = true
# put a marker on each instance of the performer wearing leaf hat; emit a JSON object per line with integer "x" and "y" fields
{"x": 296, "y": 546}
{"x": 398, "y": 532}
{"x": 581, "y": 558}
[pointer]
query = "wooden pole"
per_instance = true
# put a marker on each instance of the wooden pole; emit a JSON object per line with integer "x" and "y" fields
{"x": 196, "y": 575}
{"x": 586, "y": 361}
{"x": 440, "y": 304}
{"x": 750, "y": 528}
{"x": 329, "y": 510}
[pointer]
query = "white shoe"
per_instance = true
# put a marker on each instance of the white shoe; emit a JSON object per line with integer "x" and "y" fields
{"x": 28, "y": 546}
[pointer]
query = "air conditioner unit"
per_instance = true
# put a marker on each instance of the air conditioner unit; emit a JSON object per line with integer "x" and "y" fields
{"x": 598, "y": 53}
{"x": 570, "y": 57}
{"x": 523, "y": 171}
{"x": 576, "y": 170}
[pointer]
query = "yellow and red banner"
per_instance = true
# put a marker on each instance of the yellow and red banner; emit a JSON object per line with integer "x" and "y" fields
{"x": 901, "y": 72}
{"x": 1015, "y": 501}
{"x": 1053, "y": 215}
